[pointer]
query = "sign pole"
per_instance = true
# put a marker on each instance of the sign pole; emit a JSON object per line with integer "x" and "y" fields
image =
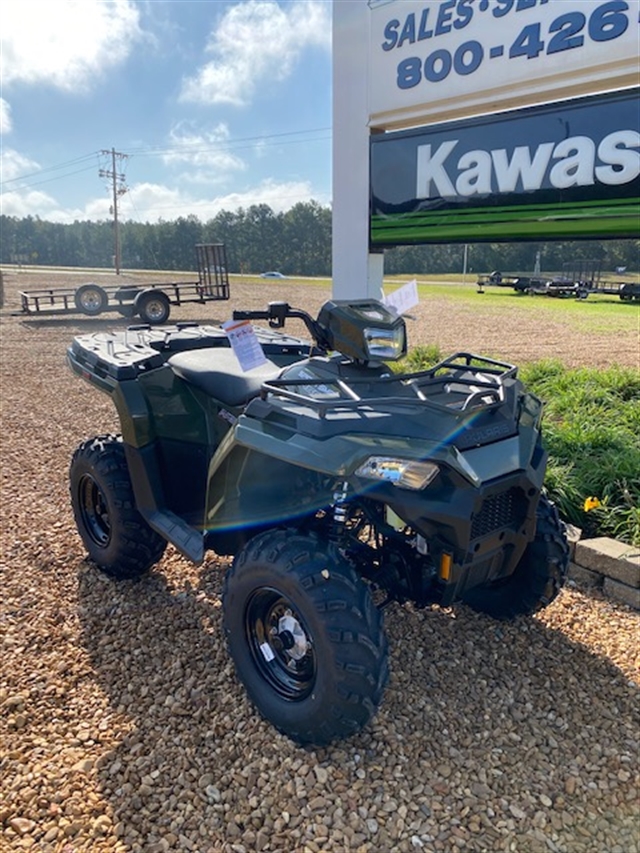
{"x": 357, "y": 272}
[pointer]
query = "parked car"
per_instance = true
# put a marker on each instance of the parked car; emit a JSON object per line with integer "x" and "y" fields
{"x": 272, "y": 274}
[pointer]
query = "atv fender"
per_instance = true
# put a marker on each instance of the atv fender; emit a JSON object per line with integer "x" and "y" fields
{"x": 140, "y": 446}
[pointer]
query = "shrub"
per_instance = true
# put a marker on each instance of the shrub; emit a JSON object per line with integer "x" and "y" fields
{"x": 591, "y": 429}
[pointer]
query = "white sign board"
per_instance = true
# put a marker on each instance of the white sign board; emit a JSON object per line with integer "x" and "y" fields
{"x": 443, "y": 59}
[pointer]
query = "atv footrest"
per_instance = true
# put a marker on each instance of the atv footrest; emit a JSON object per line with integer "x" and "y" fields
{"x": 187, "y": 540}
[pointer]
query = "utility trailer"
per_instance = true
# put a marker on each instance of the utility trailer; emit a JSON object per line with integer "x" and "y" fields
{"x": 151, "y": 302}
{"x": 520, "y": 283}
{"x": 578, "y": 279}
{"x": 529, "y": 284}
{"x": 588, "y": 273}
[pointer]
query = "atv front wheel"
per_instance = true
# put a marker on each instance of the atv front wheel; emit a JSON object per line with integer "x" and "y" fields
{"x": 305, "y": 637}
{"x": 538, "y": 577}
{"x": 117, "y": 537}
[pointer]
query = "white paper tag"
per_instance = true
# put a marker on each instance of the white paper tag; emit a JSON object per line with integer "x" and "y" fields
{"x": 244, "y": 343}
{"x": 404, "y": 298}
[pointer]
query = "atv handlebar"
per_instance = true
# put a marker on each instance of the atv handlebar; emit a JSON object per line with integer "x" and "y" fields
{"x": 277, "y": 313}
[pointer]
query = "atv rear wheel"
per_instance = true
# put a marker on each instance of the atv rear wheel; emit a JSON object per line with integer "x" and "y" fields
{"x": 538, "y": 577}
{"x": 305, "y": 637}
{"x": 118, "y": 539}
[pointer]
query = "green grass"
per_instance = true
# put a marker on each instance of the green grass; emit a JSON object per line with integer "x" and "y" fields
{"x": 591, "y": 431}
{"x": 599, "y": 313}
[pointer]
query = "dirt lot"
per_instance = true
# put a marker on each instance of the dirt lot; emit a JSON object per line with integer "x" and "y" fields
{"x": 122, "y": 727}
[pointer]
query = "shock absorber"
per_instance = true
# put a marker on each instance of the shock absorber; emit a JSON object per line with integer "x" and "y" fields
{"x": 340, "y": 510}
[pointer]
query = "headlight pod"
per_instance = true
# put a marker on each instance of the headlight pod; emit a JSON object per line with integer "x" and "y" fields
{"x": 406, "y": 473}
{"x": 385, "y": 344}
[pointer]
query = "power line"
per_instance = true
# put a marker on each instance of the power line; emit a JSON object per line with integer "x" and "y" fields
{"x": 65, "y": 165}
{"x": 47, "y": 180}
{"x": 225, "y": 145}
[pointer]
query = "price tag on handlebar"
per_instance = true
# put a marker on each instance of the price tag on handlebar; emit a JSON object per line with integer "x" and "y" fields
{"x": 244, "y": 343}
{"x": 404, "y": 298}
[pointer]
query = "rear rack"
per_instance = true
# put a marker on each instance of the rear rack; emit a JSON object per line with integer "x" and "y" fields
{"x": 124, "y": 354}
{"x": 458, "y": 384}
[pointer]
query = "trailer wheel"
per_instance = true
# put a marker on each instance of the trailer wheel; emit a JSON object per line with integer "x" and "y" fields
{"x": 91, "y": 299}
{"x": 153, "y": 306}
{"x": 305, "y": 636}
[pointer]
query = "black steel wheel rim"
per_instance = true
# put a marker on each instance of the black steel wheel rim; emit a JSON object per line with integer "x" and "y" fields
{"x": 280, "y": 644}
{"x": 94, "y": 511}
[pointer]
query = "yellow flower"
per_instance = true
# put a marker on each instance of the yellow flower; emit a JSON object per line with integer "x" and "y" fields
{"x": 591, "y": 503}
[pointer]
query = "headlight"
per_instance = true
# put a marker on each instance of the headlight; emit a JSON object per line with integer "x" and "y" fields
{"x": 385, "y": 344}
{"x": 407, "y": 473}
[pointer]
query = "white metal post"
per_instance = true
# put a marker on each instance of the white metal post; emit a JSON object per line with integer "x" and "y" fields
{"x": 357, "y": 273}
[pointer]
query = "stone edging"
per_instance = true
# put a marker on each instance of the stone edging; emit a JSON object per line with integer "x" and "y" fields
{"x": 609, "y": 565}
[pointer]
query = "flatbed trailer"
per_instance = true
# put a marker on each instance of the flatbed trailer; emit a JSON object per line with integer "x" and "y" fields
{"x": 628, "y": 291}
{"x": 150, "y": 301}
{"x": 520, "y": 283}
{"x": 563, "y": 286}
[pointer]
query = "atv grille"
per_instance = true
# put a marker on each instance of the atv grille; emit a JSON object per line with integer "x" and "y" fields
{"x": 505, "y": 509}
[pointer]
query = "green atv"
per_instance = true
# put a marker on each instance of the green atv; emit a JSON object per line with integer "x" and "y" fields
{"x": 337, "y": 485}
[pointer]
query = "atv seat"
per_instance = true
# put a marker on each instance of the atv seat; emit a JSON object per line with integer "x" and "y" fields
{"x": 217, "y": 372}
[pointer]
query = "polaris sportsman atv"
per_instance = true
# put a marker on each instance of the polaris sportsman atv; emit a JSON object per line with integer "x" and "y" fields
{"x": 337, "y": 485}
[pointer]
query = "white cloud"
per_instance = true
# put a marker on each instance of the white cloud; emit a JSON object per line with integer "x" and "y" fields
{"x": 205, "y": 153}
{"x": 257, "y": 40}
{"x": 279, "y": 196}
{"x": 151, "y": 202}
{"x": 33, "y": 203}
{"x": 13, "y": 165}
{"x": 65, "y": 43}
{"x": 6, "y": 124}
{"x": 148, "y": 202}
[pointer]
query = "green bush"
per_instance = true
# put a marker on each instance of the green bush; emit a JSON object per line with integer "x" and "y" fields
{"x": 591, "y": 429}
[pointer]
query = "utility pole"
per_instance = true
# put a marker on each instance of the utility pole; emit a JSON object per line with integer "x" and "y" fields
{"x": 118, "y": 188}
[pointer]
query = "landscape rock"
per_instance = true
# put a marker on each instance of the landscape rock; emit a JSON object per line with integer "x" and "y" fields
{"x": 136, "y": 737}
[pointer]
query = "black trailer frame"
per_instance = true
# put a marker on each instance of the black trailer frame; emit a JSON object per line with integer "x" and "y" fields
{"x": 151, "y": 302}
{"x": 579, "y": 279}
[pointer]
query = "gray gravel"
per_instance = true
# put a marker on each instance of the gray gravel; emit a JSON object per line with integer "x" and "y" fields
{"x": 122, "y": 727}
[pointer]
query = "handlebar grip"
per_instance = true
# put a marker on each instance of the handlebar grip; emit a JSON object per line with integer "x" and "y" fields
{"x": 251, "y": 315}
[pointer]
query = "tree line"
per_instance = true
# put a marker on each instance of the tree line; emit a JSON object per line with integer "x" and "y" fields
{"x": 296, "y": 242}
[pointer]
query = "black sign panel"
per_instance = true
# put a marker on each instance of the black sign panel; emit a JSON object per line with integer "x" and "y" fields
{"x": 568, "y": 170}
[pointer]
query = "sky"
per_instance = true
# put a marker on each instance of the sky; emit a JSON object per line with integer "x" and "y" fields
{"x": 217, "y": 105}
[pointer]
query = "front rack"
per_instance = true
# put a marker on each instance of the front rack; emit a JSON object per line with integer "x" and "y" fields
{"x": 459, "y": 383}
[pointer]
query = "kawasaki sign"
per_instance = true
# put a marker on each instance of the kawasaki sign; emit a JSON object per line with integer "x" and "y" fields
{"x": 562, "y": 171}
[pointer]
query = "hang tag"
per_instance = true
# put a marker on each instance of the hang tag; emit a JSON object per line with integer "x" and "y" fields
{"x": 404, "y": 298}
{"x": 245, "y": 343}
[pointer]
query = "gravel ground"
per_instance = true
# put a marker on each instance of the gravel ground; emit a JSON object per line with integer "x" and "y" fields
{"x": 122, "y": 727}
